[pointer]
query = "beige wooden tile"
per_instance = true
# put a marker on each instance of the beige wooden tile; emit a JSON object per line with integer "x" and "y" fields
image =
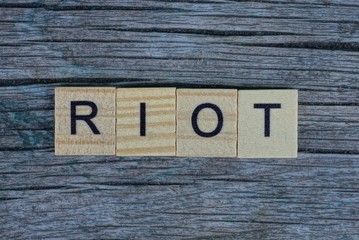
{"x": 155, "y": 134}
{"x": 275, "y": 137}
{"x": 200, "y": 131}
{"x": 93, "y": 135}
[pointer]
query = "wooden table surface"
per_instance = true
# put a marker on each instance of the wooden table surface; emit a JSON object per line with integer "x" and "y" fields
{"x": 309, "y": 45}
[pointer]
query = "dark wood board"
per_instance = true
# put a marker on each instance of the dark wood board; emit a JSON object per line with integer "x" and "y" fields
{"x": 309, "y": 45}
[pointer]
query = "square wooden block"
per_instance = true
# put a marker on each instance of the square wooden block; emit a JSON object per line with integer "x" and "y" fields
{"x": 146, "y": 122}
{"x": 207, "y": 122}
{"x": 85, "y": 121}
{"x": 267, "y": 123}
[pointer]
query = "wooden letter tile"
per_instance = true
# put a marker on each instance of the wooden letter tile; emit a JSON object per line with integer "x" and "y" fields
{"x": 207, "y": 122}
{"x": 267, "y": 123}
{"x": 85, "y": 121}
{"x": 146, "y": 122}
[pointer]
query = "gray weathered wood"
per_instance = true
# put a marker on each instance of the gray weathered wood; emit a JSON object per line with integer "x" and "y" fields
{"x": 310, "y": 45}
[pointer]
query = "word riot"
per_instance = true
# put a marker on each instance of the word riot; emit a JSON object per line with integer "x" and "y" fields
{"x": 176, "y": 122}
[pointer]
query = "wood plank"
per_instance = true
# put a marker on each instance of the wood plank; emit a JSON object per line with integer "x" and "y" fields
{"x": 309, "y": 45}
{"x": 193, "y": 42}
{"x": 26, "y": 113}
{"x": 160, "y": 197}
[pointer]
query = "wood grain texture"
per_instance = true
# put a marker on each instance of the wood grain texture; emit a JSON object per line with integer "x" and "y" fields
{"x": 267, "y": 131}
{"x": 309, "y": 45}
{"x": 157, "y": 135}
{"x": 206, "y": 123}
{"x": 85, "y": 139}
